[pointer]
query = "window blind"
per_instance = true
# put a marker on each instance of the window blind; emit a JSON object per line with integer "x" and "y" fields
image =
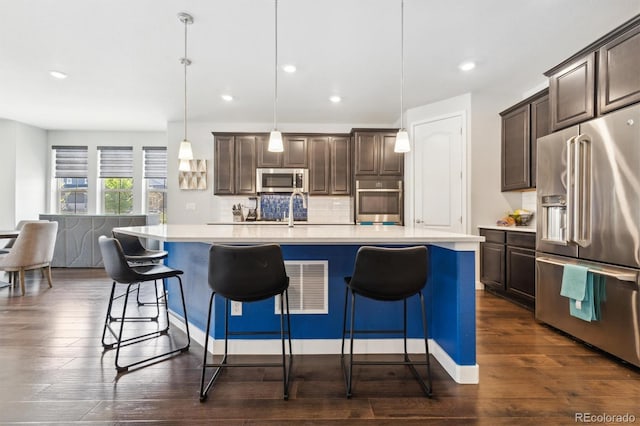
{"x": 115, "y": 162}
{"x": 71, "y": 161}
{"x": 155, "y": 162}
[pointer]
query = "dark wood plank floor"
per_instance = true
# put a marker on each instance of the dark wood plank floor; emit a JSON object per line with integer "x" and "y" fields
{"x": 53, "y": 371}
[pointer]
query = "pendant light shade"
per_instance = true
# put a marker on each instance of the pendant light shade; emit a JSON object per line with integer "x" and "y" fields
{"x": 185, "y": 153}
{"x": 275, "y": 137}
{"x": 402, "y": 142}
{"x": 275, "y": 142}
{"x": 402, "y": 138}
{"x": 184, "y": 166}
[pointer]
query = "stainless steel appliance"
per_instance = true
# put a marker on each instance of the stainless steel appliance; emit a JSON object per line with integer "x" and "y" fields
{"x": 588, "y": 199}
{"x": 379, "y": 201}
{"x": 282, "y": 180}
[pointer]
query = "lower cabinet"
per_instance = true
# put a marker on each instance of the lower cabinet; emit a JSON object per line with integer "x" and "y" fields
{"x": 507, "y": 265}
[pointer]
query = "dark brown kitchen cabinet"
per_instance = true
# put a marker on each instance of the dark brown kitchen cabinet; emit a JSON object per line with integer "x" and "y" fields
{"x": 266, "y": 158}
{"x": 507, "y": 265}
{"x": 294, "y": 154}
{"x": 235, "y": 164}
{"x": 572, "y": 93}
{"x": 374, "y": 153}
{"x": 522, "y": 124}
{"x": 329, "y": 165}
{"x": 619, "y": 72}
{"x": 340, "y": 170}
{"x": 608, "y": 70}
{"x": 319, "y": 164}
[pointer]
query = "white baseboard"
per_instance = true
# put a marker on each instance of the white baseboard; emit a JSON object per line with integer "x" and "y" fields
{"x": 463, "y": 374}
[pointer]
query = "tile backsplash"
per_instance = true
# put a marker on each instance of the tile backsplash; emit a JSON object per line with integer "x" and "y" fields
{"x": 320, "y": 209}
{"x": 276, "y": 207}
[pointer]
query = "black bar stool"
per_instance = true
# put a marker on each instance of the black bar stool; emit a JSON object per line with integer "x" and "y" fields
{"x": 247, "y": 274}
{"x": 386, "y": 274}
{"x": 138, "y": 255}
{"x": 121, "y": 272}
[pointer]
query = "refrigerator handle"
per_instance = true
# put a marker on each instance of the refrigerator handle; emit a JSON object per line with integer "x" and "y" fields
{"x": 582, "y": 191}
{"x": 570, "y": 190}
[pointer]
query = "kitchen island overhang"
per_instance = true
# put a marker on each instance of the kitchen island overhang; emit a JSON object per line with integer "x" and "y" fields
{"x": 449, "y": 292}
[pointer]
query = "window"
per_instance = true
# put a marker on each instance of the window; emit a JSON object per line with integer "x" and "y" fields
{"x": 116, "y": 175}
{"x": 155, "y": 178}
{"x": 71, "y": 169}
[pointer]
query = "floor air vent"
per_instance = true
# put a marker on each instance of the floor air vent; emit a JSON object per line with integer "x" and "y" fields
{"x": 308, "y": 287}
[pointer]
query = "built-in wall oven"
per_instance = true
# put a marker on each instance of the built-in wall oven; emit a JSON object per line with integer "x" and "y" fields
{"x": 379, "y": 201}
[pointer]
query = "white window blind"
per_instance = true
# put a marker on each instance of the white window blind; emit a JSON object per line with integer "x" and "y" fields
{"x": 71, "y": 161}
{"x": 116, "y": 162}
{"x": 155, "y": 162}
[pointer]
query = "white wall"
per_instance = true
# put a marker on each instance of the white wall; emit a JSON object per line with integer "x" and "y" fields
{"x": 93, "y": 139}
{"x": 448, "y": 107}
{"x": 23, "y": 165}
{"x": 201, "y": 206}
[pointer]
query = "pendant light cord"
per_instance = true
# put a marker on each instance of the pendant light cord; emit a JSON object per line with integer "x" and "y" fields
{"x": 401, "y": 63}
{"x": 185, "y": 62}
{"x": 275, "y": 86}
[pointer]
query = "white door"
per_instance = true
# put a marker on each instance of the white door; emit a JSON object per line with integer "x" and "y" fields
{"x": 439, "y": 190}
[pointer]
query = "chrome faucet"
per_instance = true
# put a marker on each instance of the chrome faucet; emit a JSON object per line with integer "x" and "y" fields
{"x": 304, "y": 204}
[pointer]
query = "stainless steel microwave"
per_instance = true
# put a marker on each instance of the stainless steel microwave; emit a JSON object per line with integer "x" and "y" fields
{"x": 282, "y": 180}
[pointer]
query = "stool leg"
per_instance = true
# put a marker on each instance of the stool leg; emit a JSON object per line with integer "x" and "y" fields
{"x": 107, "y": 318}
{"x": 353, "y": 315}
{"x": 426, "y": 345}
{"x": 119, "y": 341}
{"x": 404, "y": 330}
{"x": 203, "y": 391}
{"x": 284, "y": 358}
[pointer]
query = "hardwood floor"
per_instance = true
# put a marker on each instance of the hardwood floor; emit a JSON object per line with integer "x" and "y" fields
{"x": 53, "y": 371}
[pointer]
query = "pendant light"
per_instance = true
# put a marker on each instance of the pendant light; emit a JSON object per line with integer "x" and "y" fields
{"x": 185, "y": 153}
{"x": 275, "y": 137}
{"x": 402, "y": 138}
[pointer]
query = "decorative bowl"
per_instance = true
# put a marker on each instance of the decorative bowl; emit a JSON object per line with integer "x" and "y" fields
{"x": 522, "y": 219}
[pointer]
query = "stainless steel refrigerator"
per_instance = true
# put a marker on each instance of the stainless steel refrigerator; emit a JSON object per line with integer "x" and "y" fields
{"x": 588, "y": 206}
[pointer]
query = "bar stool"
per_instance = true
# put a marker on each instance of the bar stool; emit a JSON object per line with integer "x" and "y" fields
{"x": 386, "y": 274}
{"x": 247, "y": 274}
{"x": 138, "y": 255}
{"x": 121, "y": 272}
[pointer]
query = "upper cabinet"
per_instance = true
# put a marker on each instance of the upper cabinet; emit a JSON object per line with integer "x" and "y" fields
{"x": 574, "y": 88}
{"x": 294, "y": 154}
{"x": 374, "y": 153}
{"x": 235, "y": 164}
{"x": 329, "y": 165}
{"x": 619, "y": 68}
{"x": 522, "y": 124}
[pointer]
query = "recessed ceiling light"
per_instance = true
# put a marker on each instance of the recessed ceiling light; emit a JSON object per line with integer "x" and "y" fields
{"x": 467, "y": 66}
{"x": 57, "y": 74}
{"x": 227, "y": 98}
{"x": 335, "y": 99}
{"x": 289, "y": 68}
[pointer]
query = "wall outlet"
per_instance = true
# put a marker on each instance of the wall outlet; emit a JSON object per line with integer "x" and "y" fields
{"x": 236, "y": 308}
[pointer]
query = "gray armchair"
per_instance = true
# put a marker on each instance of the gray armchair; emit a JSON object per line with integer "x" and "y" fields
{"x": 33, "y": 249}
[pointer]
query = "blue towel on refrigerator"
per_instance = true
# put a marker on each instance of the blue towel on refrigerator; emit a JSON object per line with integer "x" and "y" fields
{"x": 585, "y": 290}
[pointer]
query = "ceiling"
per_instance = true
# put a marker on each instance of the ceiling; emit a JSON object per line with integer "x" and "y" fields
{"x": 122, "y": 57}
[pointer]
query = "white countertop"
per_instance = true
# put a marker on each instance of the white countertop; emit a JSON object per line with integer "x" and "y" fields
{"x": 509, "y": 228}
{"x": 305, "y": 234}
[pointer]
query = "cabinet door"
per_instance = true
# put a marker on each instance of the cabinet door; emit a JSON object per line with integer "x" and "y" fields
{"x": 265, "y": 158}
{"x": 492, "y": 264}
{"x": 516, "y": 172}
{"x": 340, "y": 166}
{"x": 319, "y": 166}
{"x": 245, "y": 165}
{"x": 366, "y": 147}
{"x": 571, "y": 93}
{"x": 540, "y": 126}
{"x": 391, "y": 162}
{"x": 619, "y": 72}
{"x": 224, "y": 169}
{"x": 295, "y": 152}
{"x": 521, "y": 272}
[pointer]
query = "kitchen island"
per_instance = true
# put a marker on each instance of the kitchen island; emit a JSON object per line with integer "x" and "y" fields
{"x": 450, "y": 289}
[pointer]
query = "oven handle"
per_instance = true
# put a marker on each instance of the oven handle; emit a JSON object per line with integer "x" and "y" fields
{"x": 378, "y": 190}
